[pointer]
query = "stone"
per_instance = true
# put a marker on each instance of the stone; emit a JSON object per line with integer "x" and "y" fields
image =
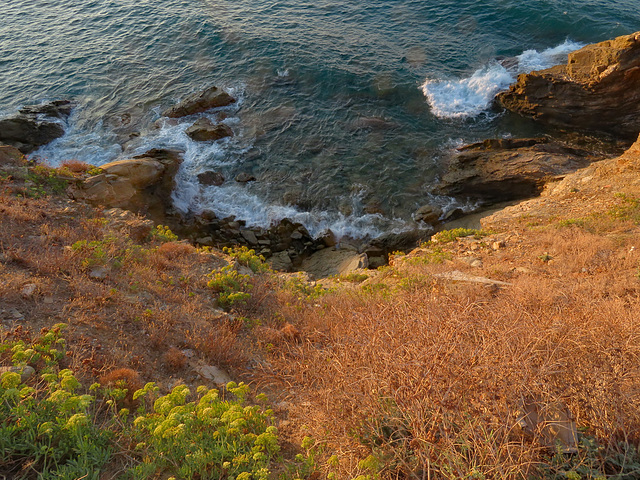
{"x": 35, "y": 125}
{"x": 214, "y": 374}
{"x": 142, "y": 184}
{"x": 98, "y": 273}
{"x": 204, "y": 130}
{"x": 458, "y": 276}
{"x": 28, "y": 290}
{"x": 244, "y": 178}
{"x": 428, "y": 214}
{"x": 281, "y": 262}
{"x": 497, "y": 171}
{"x": 28, "y": 133}
{"x": 331, "y": 261}
{"x": 212, "y": 97}
{"x": 25, "y": 372}
{"x": 56, "y": 109}
{"x": 211, "y": 178}
{"x": 598, "y": 90}
{"x": 498, "y": 244}
{"x": 135, "y": 227}
{"x": 249, "y": 236}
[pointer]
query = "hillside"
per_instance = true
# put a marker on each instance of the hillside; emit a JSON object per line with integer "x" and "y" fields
{"x": 509, "y": 352}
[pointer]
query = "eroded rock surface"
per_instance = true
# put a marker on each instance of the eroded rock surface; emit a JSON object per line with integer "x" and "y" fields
{"x": 142, "y": 184}
{"x": 499, "y": 170}
{"x": 597, "y": 90}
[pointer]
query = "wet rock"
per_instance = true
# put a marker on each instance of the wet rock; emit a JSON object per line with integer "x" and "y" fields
{"x": 35, "y": 125}
{"x": 244, "y": 178}
{"x": 428, "y": 214}
{"x": 56, "y": 109}
{"x": 211, "y": 178}
{"x": 496, "y": 171}
{"x": 204, "y": 130}
{"x": 597, "y": 90}
{"x": 212, "y": 97}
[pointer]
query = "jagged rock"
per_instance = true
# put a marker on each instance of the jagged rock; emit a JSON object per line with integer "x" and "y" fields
{"x": 204, "y": 130}
{"x": 56, "y": 109}
{"x": 597, "y": 90}
{"x": 29, "y": 130}
{"x": 142, "y": 184}
{"x": 249, "y": 236}
{"x": 212, "y": 97}
{"x": 245, "y": 177}
{"x": 428, "y": 214}
{"x": 495, "y": 171}
{"x": 211, "y": 178}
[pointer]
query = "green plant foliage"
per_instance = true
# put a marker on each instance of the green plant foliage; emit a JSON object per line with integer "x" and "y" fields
{"x": 248, "y": 258}
{"x": 205, "y": 438}
{"x": 450, "y": 235}
{"x": 304, "y": 290}
{"x": 230, "y": 286}
{"x": 163, "y": 234}
{"x": 49, "y": 431}
{"x": 42, "y": 181}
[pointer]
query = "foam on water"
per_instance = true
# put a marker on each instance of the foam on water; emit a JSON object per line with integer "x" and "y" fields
{"x": 471, "y": 96}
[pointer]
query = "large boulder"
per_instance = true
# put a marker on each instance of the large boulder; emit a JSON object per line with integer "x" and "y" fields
{"x": 142, "y": 184}
{"x": 35, "y": 125}
{"x": 597, "y": 90}
{"x": 212, "y": 97}
{"x": 499, "y": 170}
{"x": 204, "y": 130}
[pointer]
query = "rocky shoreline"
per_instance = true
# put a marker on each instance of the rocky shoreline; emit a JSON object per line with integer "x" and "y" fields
{"x": 596, "y": 91}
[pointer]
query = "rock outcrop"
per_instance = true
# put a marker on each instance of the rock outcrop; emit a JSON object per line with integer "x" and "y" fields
{"x": 599, "y": 185}
{"x": 498, "y": 170}
{"x": 597, "y": 90}
{"x": 212, "y": 97}
{"x": 142, "y": 184}
{"x": 204, "y": 130}
{"x": 35, "y": 125}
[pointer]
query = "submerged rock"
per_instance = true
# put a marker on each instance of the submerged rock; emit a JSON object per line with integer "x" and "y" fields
{"x": 212, "y": 97}
{"x": 211, "y": 178}
{"x": 500, "y": 170}
{"x": 204, "y": 130}
{"x": 597, "y": 90}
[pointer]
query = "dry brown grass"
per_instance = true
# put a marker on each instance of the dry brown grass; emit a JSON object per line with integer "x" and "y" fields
{"x": 76, "y": 166}
{"x": 434, "y": 377}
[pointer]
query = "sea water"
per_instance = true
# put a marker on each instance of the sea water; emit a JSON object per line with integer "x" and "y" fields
{"x": 345, "y": 108}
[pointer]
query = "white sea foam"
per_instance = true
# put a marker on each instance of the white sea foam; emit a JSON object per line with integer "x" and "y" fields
{"x": 470, "y": 96}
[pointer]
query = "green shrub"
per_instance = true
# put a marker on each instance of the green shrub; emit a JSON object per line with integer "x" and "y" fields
{"x": 248, "y": 258}
{"x": 163, "y": 234}
{"x": 230, "y": 286}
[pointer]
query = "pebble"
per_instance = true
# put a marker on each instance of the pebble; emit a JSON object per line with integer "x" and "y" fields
{"x": 28, "y": 290}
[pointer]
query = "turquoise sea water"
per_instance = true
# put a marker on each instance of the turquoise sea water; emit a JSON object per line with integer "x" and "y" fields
{"x": 346, "y": 107}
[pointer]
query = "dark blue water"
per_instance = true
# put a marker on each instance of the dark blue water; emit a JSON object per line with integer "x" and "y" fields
{"x": 345, "y": 106}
